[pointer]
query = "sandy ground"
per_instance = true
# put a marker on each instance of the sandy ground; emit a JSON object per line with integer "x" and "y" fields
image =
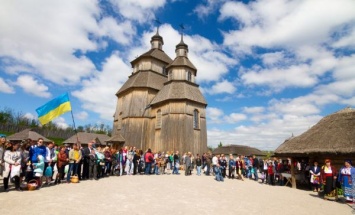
{"x": 167, "y": 194}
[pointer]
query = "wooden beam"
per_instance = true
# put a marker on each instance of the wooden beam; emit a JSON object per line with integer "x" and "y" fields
{"x": 293, "y": 176}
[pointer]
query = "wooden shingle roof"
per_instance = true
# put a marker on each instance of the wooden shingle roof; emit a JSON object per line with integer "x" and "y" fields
{"x": 182, "y": 61}
{"x": 154, "y": 53}
{"x": 144, "y": 79}
{"x": 177, "y": 90}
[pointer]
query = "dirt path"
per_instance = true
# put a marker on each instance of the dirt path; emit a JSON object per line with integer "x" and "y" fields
{"x": 167, "y": 194}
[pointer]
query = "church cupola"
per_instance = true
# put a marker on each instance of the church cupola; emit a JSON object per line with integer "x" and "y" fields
{"x": 181, "y": 49}
{"x": 157, "y": 41}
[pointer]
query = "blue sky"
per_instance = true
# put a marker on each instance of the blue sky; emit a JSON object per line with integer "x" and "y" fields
{"x": 268, "y": 68}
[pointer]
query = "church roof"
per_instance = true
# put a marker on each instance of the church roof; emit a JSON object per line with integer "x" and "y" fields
{"x": 154, "y": 53}
{"x": 179, "y": 90}
{"x": 182, "y": 61}
{"x": 144, "y": 79}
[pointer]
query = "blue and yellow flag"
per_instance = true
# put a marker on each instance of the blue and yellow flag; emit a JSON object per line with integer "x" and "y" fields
{"x": 53, "y": 109}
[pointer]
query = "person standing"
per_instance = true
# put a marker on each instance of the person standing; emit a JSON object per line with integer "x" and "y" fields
{"x": 74, "y": 161}
{"x": 62, "y": 161}
{"x": 198, "y": 162}
{"x": 315, "y": 176}
{"x": 93, "y": 165}
{"x": 208, "y": 164}
{"x": 149, "y": 159}
{"x": 176, "y": 163}
{"x": 231, "y": 167}
{"x": 50, "y": 155}
{"x": 329, "y": 176}
{"x": 2, "y": 151}
{"x": 255, "y": 167}
{"x": 223, "y": 165}
{"x": 12, "y": 166}
{"x": 86, "y": 152}
{"x": 34, "y": 151}
{"x": 188, "y": 163}
{"x": 346, "y": 180}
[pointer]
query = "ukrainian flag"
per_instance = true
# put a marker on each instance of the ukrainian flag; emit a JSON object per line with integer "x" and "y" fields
{"x": 53, "y": 109}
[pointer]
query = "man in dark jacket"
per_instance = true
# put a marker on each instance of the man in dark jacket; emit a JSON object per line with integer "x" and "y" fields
{"x": 255, "y": 167}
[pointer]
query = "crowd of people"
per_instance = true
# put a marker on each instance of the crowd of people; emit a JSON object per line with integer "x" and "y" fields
{"x": 51, "y": 164}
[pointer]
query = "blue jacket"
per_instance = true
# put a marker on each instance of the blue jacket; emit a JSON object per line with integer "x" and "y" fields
{"x": 39, "y": 150}
{"x": 231, "y": 163}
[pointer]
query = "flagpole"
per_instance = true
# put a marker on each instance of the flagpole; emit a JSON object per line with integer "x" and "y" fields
{"x": 76, "y": 133}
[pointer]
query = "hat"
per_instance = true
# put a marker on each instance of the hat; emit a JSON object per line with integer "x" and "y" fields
{"x": 348, "y": 161}
{"x": 2, "y": 136}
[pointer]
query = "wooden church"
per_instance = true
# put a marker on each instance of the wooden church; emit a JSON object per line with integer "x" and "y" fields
{"x": 160, "y": 106}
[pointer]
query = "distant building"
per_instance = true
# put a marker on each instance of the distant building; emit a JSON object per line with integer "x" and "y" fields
{"x": 160, "y": 106}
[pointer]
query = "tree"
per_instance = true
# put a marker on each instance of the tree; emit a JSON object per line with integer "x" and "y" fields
{"x": 220, "y": 144}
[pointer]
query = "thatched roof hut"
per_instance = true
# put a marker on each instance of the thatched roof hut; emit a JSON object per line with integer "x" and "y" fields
{"x": 334, "y": 135}
{"x": 25, "y": 135}
{"x": 85, "y": 138}
{"x": 238, "y": 150}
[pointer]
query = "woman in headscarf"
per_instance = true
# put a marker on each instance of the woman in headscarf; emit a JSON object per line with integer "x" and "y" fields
{"x": 329, "y": 176}
{"x": 346, "y": 180}
{"x": 12, "y": 167}
{"x": 315, "y": 176}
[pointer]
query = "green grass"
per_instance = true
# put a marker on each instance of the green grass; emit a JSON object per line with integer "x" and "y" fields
{"x": 57, "y": 140}
{"x": 6, "y": 133}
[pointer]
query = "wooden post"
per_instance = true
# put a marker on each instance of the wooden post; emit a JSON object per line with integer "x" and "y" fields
{"x": 293, "y": 176}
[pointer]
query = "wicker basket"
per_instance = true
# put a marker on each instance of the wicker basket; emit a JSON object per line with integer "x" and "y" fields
{"x": 74, "y": 179}
{"x": 32, "y": 185}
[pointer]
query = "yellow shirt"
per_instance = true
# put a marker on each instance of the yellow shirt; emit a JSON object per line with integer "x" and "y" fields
{"x": 76, "y": 154}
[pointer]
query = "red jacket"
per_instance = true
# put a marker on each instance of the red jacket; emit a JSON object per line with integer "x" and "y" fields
{"x": 270, "y": 170}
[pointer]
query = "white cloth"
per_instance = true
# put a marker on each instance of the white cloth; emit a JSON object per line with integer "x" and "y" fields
{"x": 15, "y": 171}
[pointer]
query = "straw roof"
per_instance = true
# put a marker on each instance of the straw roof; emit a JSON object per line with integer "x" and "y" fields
{"x": 238, "y": 150}
{"x": 116, "y": 138}
{"x": 27, "y": 134}
{"x": 179, "y": 90}
{"x": 334, "y": 134}
{"x": 144, "y": 79}
{"x": 85, "y": 138}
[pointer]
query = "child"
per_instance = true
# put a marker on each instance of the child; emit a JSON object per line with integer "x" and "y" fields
{"x": 218, "y": 173}
{"x": 270, "y": 170}
{"x": 38, "y": 170}
{"x": 48, "y": 174}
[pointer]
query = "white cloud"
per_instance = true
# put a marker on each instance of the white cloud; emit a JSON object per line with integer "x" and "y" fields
{"x": 235, "y": 118}
{"x": 43, "y": 41}
{"x": 272, "y": 58}
{"x": 61, "y": 123}
{"x": 265, "y": 136}
{"x": 280, "y": 78}
{"x": 138, "y": 10}
{"x": 82, "y": 115}
{"x": 120, "y": 32}
{"x": 214, "y": 115}
{"x": 32, "y": 86}
{"x": 253, "y": 110}
{"x": 285, "y": 23}
{"x": 29, "y": 116}
{"x": 222, "y": 87}
{"x": 205, "y": 9}
{"x": 106, "y": 82}
{"x": 5, "y": 87}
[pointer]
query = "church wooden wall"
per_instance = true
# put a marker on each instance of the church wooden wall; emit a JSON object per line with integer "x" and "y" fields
{"x": 177, "y": 132}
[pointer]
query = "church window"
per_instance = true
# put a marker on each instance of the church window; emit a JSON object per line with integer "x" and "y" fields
{"x": 164, "y": 71}
{"x": 188, "y": 76}
{"x": 159, "y": 119}
{"x": 196, "y": 119}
